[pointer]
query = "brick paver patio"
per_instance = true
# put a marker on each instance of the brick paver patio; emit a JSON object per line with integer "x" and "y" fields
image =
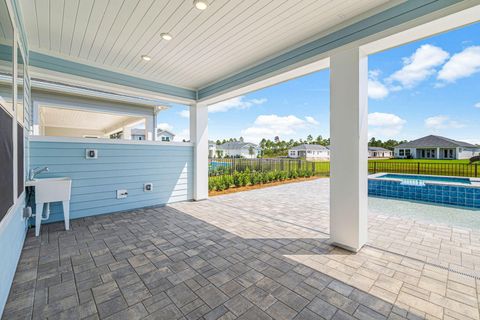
{"x": 260, "y": 254}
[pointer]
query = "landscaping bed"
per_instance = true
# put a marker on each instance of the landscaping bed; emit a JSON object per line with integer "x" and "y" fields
{"x": 263, "y": 185}
{"x": 219, "y": 183}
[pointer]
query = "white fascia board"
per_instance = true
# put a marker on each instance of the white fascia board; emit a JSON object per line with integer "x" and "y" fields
{"x": 109, "y": 141}
{"x": 428, "y": 29}
{"x": 298, "y": 70}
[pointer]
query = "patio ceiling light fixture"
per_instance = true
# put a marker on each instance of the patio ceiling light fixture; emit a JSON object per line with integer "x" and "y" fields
{"x": 166, "y": 36}
{"x": 146, "y": 58}
{"x": 201, "y": 4}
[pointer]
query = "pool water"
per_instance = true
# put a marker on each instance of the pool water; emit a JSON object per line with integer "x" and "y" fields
{"x": 420, "y": 180}
{"x": 445, "y": 215}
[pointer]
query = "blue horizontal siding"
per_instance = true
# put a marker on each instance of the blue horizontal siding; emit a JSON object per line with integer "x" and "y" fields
{"x": 119, "y": 166}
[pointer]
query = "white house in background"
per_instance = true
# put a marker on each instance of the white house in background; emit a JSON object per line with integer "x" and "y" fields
{"x": 162, "y": 135}
{"x": 309, "y": 152}
{"x": 379, "y": 152}
{"x": 436, "y": 147}
{"x": 239, "y": 149}
{"x": 212, "y": 149}
{"x": 138, "y": 134}
{"x": 165, "y": 135}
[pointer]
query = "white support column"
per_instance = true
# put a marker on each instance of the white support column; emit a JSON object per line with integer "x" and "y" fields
{"x": 149, "y": 128}
{"x": 127, "y": 132}
{"x": 349, "y": 152}
{"x": 199, "y": 137}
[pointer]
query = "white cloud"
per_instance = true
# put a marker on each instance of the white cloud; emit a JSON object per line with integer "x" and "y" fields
{"x": 184, "y": 114}
{"x": 165, "y": 126}
{"x": 269, "y": 126}
{"x": 311, "y": 120}
{"x": 442, "y": 122}
{"x": 235, "y": 103}
{"x": 182, "y": 135}
{"x": 477, "y": 105}
{"x": 461, "y": 65}
{"x": 376, "y": 89}
{"x": 419, "y": 66}
{"x": 384, "y": 125}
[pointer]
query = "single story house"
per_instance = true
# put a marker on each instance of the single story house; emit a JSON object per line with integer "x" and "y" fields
{"x": 165, "y": 135}
{"x": 436, "y": 147}
{"x": 309, "y": 152}
{"x": 239, "y": 149}
{"x": 162, "y": 135}
{"x": 379, "y": 152}
{"x": 212, "y": 149}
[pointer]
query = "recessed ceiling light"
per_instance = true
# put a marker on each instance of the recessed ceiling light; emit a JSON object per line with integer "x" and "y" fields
{"x": 201, "y": 4}
{"x": 146, "y": 58}
{"x": 166, "y": 36}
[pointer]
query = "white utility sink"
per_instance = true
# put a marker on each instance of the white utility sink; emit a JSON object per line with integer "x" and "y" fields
{"x": 51, "y": 190}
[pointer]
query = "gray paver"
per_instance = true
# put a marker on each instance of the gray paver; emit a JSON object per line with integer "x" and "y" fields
{"x": 255, "y": 255}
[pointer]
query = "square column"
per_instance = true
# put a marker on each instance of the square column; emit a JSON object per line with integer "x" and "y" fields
{"x": 349, "y": 149}
{"x": 149, "y": 128}
{"x": 199, "y": 138}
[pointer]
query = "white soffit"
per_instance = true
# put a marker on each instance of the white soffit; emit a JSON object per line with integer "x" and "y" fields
{"x": 78, "y": 119}
{"x": 207, "y": 45}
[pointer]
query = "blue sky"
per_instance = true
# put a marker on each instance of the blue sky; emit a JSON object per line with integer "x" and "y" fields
{"x": 430, "y": 86}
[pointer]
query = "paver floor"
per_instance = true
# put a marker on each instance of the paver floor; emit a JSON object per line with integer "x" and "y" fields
{"x": 260, "y": 254}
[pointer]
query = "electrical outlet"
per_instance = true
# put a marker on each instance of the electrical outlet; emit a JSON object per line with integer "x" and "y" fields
{"x": 122, "y": 194}
{"x": 91, "y": 154}
{"x": 148, "y": 187}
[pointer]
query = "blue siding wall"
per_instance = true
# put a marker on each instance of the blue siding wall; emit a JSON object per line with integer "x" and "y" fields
{"x": 119, "y": 166}
{"x": 12, "y": 235}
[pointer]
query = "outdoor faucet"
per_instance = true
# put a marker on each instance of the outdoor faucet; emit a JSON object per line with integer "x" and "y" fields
{"x": 34, "y": 172}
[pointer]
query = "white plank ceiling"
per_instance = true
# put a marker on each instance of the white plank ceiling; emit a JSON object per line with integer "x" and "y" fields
{"x": 207, "y": 45}
{"x": 78, "y": 119}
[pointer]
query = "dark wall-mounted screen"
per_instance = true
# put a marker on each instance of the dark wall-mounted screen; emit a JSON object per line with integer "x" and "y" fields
{"x": 6, "y": 162}
{"x": 7, "y": 110}
{"x": 20, "y": 161}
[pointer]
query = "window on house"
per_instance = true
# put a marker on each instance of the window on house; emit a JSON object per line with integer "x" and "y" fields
{"x": 401, "y": 152}
{"x": 166, "y": 139}
{"x": 407, "y": 152}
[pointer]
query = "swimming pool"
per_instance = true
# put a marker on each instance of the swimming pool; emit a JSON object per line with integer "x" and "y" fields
{"x": 457, "y": 191}
{"x": 417, "y": 180}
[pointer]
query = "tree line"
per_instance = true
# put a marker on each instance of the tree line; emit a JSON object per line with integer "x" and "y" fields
{"x": 278, "y": 147}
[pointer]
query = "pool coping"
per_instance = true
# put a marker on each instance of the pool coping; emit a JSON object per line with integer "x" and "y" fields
{"x": 475, "y": 182}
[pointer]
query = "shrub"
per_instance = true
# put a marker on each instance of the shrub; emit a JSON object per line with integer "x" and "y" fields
{"x": 293, "y": 174}
{"x": 272, "y": 176}
{"x": 238, "y": 179}
{"x": 245, "y": 179}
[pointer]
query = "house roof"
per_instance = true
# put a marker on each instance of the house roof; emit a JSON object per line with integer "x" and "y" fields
{"x": 138, "y": 132}
{"x": 160, "y": 131}
{"x": 377, "y": 149}
{"x": 235, "y": 145}
{"x": 305, "y": 147}
{"x": 435, "y": 141}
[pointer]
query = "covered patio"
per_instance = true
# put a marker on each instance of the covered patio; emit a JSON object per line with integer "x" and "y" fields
{"x": 171, "y": 252}
{"x": 251, "y": 255}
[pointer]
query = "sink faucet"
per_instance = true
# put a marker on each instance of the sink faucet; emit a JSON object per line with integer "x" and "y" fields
{"x": 34, "y": 172}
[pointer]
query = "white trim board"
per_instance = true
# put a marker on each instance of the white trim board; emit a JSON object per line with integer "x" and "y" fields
{"x": 109, "y": 141}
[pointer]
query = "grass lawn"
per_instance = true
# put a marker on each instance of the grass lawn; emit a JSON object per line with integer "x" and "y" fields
{"x": 421, "y": 161}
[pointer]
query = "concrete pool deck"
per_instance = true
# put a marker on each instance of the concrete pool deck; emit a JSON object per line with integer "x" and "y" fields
{"x": 260, "y": 254}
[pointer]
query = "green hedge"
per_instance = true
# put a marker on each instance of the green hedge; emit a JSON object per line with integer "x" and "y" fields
{"x": 247, "y": 178}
